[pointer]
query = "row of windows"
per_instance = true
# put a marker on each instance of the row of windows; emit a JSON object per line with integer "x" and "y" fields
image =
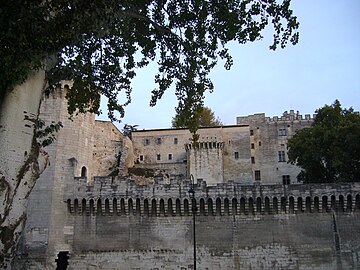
{"x": 158, "y": 157}
{"x": 159, "y": 141}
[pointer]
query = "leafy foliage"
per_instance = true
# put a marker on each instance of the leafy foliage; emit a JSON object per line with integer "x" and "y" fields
{"x": 329, "y": 151}
{"x": 100, "y": 44}
{"x": 128, "y": 129}
{"x": 206, "y": 119}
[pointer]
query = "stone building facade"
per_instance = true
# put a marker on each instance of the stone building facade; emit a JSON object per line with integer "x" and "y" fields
{"x": 222, "y": 154}
{"x": 268, "y": 144}
{"x": 89, "y": 210}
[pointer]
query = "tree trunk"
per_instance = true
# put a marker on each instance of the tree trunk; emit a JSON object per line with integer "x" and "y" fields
{"x": 21, "y": 160}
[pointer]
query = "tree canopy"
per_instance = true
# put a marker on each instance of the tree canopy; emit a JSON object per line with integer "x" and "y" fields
{"x": 206, "y": 119}
{"x": 328, "y": 151}
{"x": 100, "y": 44}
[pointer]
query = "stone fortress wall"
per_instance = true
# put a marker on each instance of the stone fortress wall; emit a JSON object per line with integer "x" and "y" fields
{"x": 86, "y": 210}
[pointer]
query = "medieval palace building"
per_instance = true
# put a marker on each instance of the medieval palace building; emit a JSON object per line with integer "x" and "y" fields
{"x": 108, "y": 201}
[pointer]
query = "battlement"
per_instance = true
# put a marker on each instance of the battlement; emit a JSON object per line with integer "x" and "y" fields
{"x": 121, "y": 196}
{"x": 287, "y": 116}
{"x": 60, "y": 91}
{"x": 205, "y": 145}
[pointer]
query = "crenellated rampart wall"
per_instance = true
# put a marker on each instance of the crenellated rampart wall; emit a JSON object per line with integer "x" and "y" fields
{"x": 121, "y": 196}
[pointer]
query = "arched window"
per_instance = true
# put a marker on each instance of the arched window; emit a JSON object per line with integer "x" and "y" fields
{"x": 258, "y": 205}
{"x": 115, "y": 206}
{"x": 76, "y": 206}
{"x": 138, "y": 207}
{"x": 324, "y": 204}
{"x": 202, "y": 207}
{"x": 92, "y": 207}
{"x": 178, "y": 207}
{"x": 107, "y": 206}
{"x": 153, "y": 208}
{"x": 130, "y": 206}
{"x": 122, "y": 206}
{"x": 210, "y": 207}
{"x": 275, "y": 205}
{"x": 186, "y": 207}
{"x": 170, "y": 211}
{"x": 341, "y": 203}
{"x": 69, "y": 205}
{"x": 83, "y": 172}
{"x": 146, "y": 207}
{"x": 218, "y": 207}
{"x": 98, "y": 207}
{"x": 349, "y": 203}
{"x": 251, "y": 205}
{"x": 162, "y": 207}
{"x": 267, "y": 205}
{"x": 283, "y": 204}
{"x": 291, "y": 204}
{"x": 226, "y": 206}
{"x": 83, "y": 206}
{"x": 242, "y": 205}
{"x": 316, "y": 204}
{"x": 333, "y": 203}
{"x": 234, "y": 206}
{"x": 299, "y": 204}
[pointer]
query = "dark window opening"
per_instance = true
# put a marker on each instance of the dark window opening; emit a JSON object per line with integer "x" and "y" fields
{"x": 175, "y": 140}
{"x": 251, "y": 132}
{"x": 141, "y": 158}
{"x": 282, "y": 156}
{"x": 158, "y": 157}
{"x": 62, "y": 260}
{"x": 83, "y": 172}
{"x": 252, "y": 146}
{"x": 147, "y": 141}
{"x": 257, "y": 176}
{"x": 259, "y": 143}
{"x": 236, "y": 154}
{"x": 282, "y": 132}
{"x": 170, "y": 157}
{"x": 286, "y": 179}
{"x": 253, "y": 160}
{"x": 158, "y": 140}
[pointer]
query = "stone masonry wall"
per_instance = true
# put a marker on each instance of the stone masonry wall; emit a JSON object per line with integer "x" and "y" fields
{"x": 116, "y": 224}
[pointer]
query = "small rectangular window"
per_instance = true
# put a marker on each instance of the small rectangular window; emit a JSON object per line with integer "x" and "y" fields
{"x": 282, "y": 156}
{"x": 286, "y": 179}
{"x": 252, "y": 146}
{"x": 257, "y": 176}
{"x": 282, "y": 132}
{"x": 253, "y": 160}
{"x": 259, "y": 143}
{"x": 251, "y": 132}
{"x": 170, "y": 157}
{"x": 147, "y": 142}
{"x": 175, "y": 140}
{"x": 158, "y": 140}
{"x": 236, "y": 154}
{"x": 141, "y": 158}
{"x": 158, "y": 157}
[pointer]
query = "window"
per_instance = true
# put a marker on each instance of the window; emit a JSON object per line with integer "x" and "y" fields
{"x": 253, "y": 160}
{"x": 282, "y": 132}
{"x": 259, "y": 143}
{"x": 282, "y": 156}
{"x": 158, "y": 157}
{"x": 175, "y": 140}
{"x": 236, "y": 154}
{"x": 257, "y": 176}
{"x": 158, "y": 140}
{"x": 141, "y": 158}
{"x": 286, "y": 179}
{"x": 170, "y": 157}
{"x": 252, "y": 146}
{"x": 251, "y": 132}
{"x": 147, "y": 142}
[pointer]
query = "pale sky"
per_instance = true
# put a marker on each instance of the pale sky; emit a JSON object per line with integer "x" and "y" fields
{"x": 322, "y": 67}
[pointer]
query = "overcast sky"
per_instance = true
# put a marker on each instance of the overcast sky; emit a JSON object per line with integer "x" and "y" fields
{"x": 322, "y": 67}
